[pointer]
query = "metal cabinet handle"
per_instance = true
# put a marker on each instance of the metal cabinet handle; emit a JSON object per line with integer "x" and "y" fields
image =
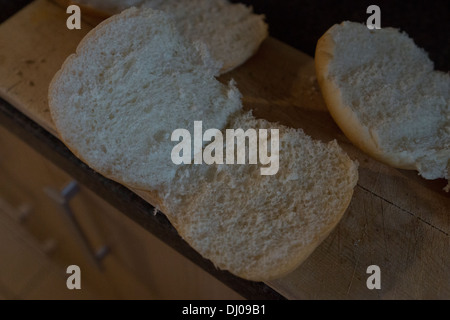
{"x": 19, "y": 215}
{"x": 62, "y": 198}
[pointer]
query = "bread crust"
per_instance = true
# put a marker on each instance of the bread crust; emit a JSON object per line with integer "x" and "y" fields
{"x": 346, "y": 119}
{"x": 306, "y": 251}
{"x": 272, "y": 274}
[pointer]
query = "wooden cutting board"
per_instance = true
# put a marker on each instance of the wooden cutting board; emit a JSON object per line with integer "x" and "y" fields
{"x": 396, "y": 220}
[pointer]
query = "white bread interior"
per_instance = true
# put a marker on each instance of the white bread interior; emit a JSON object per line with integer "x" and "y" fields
{"x": 232, "y": 32}
{"x": 383, "y": 92}
{"x": 132, "y": 81}
{"x": 263, "y": 227}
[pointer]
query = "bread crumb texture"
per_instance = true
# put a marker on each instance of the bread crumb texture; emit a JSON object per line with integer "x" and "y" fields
{"x": 132, "y": 81}
{"x": 391, "y": 88}
{"x": 231, "y": 31}
{"x": 262, "y": 227}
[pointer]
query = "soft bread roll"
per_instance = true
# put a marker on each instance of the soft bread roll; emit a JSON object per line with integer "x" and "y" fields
{"x": 232, "y": 32}
{"x": 263, "y": 227}
{"x": 132, "y": 82}
{"x": 383, "y": 93}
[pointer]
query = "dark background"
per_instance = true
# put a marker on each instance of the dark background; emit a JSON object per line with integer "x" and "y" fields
{"x": 300, "y": 23}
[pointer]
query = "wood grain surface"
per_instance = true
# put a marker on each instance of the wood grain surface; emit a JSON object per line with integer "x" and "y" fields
{"x": 396, "y": 219}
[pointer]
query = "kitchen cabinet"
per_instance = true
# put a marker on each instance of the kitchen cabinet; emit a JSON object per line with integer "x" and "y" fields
{"x": 137, "y": 265}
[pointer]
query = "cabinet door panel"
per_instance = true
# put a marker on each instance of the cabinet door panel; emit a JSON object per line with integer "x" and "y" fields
{"x": 139, "y": 265}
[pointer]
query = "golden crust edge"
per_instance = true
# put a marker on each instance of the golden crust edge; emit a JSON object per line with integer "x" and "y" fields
{"x": 342, "y": 114}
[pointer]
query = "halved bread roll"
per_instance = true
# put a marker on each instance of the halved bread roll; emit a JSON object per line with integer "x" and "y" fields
{"x": 383, "y": 92}
{"x": 131, "y": 83}
{"x": 262, "y": 227}
{"x": 232, "y": 32}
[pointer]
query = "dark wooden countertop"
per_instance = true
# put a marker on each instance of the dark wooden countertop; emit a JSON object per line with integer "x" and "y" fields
{"x": 298, "y": 23}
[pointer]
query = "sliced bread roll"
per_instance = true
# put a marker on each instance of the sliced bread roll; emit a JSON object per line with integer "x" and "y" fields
{"x": 384, "y": 94}
{"x": 132, "y": 81}
{"x": 261, "y": 227}
{"x": 232, "y": 32}
{"x": 115, "y": 103}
